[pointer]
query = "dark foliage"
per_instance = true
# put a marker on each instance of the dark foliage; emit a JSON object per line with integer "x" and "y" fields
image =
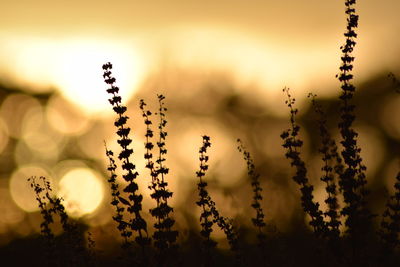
{"x": 116, "y": 200}
{"x": 332, "y": 168}
{"x": 390, "y": 224}
{"x": 69, "y": 249}
{"x": 353, "y": 180}
{"x": 258, "y": 221}
{"x": 210, "y": 215}
{"x": 134, "y": 201}
{"x": 292, "y": 144}
{"x": 164, "y": 237}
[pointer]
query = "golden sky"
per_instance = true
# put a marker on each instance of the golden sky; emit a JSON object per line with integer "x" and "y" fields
{"x": 269, "y": 43}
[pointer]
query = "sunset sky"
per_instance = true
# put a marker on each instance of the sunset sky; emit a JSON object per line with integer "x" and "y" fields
{"x": 61, "y": 44}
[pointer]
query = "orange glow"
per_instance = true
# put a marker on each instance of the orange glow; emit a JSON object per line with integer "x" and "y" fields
{"x": 74, "y": 67}
{"x": 390, "y": 175}
{"x": 390, "y": 123}
{"x": 3, "y": 135}
{"x": 65, "y": 117}
{"x": 80, "y": 73}
{"x": 20, "y": 189}
{"x": 14, "y": 110}
{"x": 81, "y": 190}
{"x": 43, "y": 45}
{"x": 10, "y": 214}
{"x": 271, "y": 64}
{"x": 225, "y": 161}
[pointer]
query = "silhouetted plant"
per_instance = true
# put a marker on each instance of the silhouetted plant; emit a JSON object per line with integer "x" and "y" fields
{"x": 258, "y": 220}
{"x": 332, "y": 167}
{"x": 210, "y": 214}
{"x": 390, "y": 224}
{"x": 41, "y": 192}
{"x": 148, "y": 155}
{"x": 134, "y": 201}
{"x": 353, "y": 180}
{"x": 91, "y": 246}
{"x": 206, "y": 220}
{"x": 71, "y": 244}
{"x": 116, "y": 199}
{"x": 395, "y": 81}
{"x": 164, "y": 237}
{"x": 343, "y": 173}
{"x": 74, "y": 242}
{"x": 292, "y": 144}
{"x": 226, "y": 225}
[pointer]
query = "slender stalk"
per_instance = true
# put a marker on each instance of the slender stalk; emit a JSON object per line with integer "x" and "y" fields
{"x": 353, "y": 180}
{"x": 292, "y": 144}
{"x": 116, "y": 200}
{"x": 332, "y": 167}
{"x": 134, "y": 202}
{"x": 390, "y": 224}
{"x": 258, "y": 220}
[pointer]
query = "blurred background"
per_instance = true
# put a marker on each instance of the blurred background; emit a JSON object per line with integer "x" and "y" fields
{"x": 221, "y": 65}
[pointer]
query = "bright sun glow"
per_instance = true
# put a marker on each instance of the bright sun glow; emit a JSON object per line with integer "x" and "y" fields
{"x": 81, "y": 73}
{"x": 81, "y": 190}
{"x": 73, "y": 65}
{"x": 75, "y": 68}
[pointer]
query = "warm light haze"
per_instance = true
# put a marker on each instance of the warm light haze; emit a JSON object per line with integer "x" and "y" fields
{"x": 59, "y": 45}
{"x": 138, "y": 124}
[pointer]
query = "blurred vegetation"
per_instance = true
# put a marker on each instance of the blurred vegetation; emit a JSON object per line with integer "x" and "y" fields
{"x": 234, "y": 113}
